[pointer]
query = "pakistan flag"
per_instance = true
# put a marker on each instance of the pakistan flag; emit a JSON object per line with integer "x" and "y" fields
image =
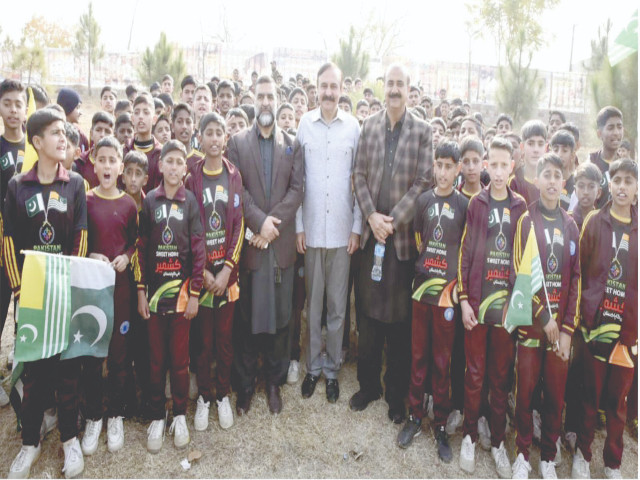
{"x": 66, "y": 307}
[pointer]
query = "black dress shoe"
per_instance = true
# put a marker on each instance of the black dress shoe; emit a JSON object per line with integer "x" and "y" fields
{"x": 309, "y": 385}
{"x": 333, "y": 390}
{"x": 444, "y": 449}
{"x": 362, "y": 399}
{"x": 397, "y": 413}
{"x": 243, "y": 403}
{"x": 274, "y": 399}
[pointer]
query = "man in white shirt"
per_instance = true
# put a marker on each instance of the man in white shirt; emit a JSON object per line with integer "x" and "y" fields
{"x": 328, "y": 225}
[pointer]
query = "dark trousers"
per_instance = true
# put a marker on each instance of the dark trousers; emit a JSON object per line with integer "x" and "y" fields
{"x": 373, "y": 334}
{"x": 215, "y": 329}
{"x": 37, "y": 384}
{"x": 168, "y": 337}
{"x": 91, "y": 379}
{"x": 299, "y": 296}
{"x": 5, "y": 298}
{"x": 632, "y": 400}
{"x": 137, "y": 361}
{"x": 614, "y": 383}
{"x": 490, "y": 350}
{"x": 575, "y": 386}
{"x": 531, "y": 364}
{"x": 432, "y": 338}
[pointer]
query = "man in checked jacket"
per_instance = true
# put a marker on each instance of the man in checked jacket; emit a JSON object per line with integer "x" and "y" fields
{"x": 393, "y": 166}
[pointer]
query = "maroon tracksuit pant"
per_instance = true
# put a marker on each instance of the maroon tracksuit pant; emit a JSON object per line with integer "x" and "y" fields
{"x": 614, "y": 382}
{"x": 215, "y": 327}
{"x": 168, "y": 336}
{"x": 491, "y": 349}
{"x": 575, "y": 386}
{"x": 432, "y": 337}
{"x": 532, "y": 363}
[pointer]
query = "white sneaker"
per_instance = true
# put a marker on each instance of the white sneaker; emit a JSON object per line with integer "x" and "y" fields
{"x": 612, "y": 472}
{"x": 571, "y": 438}
{"x": 49, "y": 422}
{"x": 454, "y": 421}
{"x": 558, "y": 458}
{"x": 73, "y": 459}
{"x": 484, "y": 433}
{"x": 520, "y": 468}
{"x": 503, "y": 465}
{"x": 430, "y": 413}
{"x": 91, "y": 437}
{"x": 201, "y": 420}
{"x": 580, "y": 467}
{"x": 537, "y": 425}
{"x": 468, "y": 455}
{"x": 155, "y": 434}
{"x": 179, "y": 431}
{"x": 548, "y": 469}
{"x": 115, "y": 434}
{"x": 4, "y": 398}
{"x": 21, "y": 465}
{"x": 293, "y": 375}
{"x": 193, "y": 386}
{"x": 225, "y": 414}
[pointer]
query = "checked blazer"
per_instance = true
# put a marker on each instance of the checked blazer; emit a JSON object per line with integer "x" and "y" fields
{"x": 410, "y": 175}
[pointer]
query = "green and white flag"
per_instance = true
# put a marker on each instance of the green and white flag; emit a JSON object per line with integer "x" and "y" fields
{"x": 66, "y": 306}
{"x": 626, "y": 43}
{"x": 35, "y": 205}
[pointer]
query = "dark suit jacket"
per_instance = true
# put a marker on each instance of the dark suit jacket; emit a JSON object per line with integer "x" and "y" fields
{"x": 410, "y": 175}
{"x": 286, "y": 191}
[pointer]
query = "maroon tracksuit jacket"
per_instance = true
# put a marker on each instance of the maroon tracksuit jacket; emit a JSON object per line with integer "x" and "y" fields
{"x": 153, "y": 157}
{"x": 85, "y": 167}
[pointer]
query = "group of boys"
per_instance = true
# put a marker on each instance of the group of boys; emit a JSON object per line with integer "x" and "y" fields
{"x": 169, "y": 216}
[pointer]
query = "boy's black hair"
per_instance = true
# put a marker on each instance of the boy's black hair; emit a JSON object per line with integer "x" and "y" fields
{"x": 181, "y": 106}
{"x": 489, "y": 131}
{"x": 501, "y": 143}
{"x": 154, "y": 86}
{"x": 548, "y": 159}
{"x": 166, "y": 76}
{"x": 215, "y": 80}
{"x": 564, "y": 138}
{"x": 505, "y": 117}
{"x": 212, "y": 88}
{"x": 172, "y": 146}
{"x": 41, "y": 119}
{"x": 187, "y": 80}
{"x": 212, "y": 117}
{"x": 71, "y": 132}
{"x": 559, "y": 113}
{"x": 588, "y": 171}
{"x": 426, "y": 98}
{"x": 573, "y": 129}
{"x": 456, "y": 101}
{"x": 478, "y": 117}
{"x": 130, "y": 90}
{"x": 417, "y": 110}
{"x": 513, "y": 135}
{"x": 471, "y": 118}
{"x": 12, "y": 86}
{"x": 444, "y": 101}
{"x": 157, "y": 103}
{"x": 166, "y": 99}
{"x": 348, "y": 79}
{"x": 533, "y": 128}
{"x": 101, "y": 117}
{"x": 458, "y": 112}
{"x": 250, "y": 110}
{"x": 109, "y": 141}
{"x": 454, "y": 123}
{"x": 367, "y": 90}
{"x": 247, "y": 94}
{"x": 346, "y": 99}
{"x": 626, "y": 144}
{"x": 144, "y": 97}
{"x": 161, "y": 118}
{"x": 284, "y": 106}
{"x": 226, "y": 84}
{"x": 473, "y": 144}
{"x": 108, "y": 88}
{"x": 375, "y": 101}
{"x": 122, "y": 104}
{"x": 122, "y": 118}
{"x": 362, "y": 103}
{"x": 137, "y": 158}
{"x": 298, "y": 91}
{"x": 237, "y": 112}
{"x": 624, "y": 165}
{"x": 448, "y": 149}
{"x": 440, "y": 122}
{"x": 605, "y": 114}
{"x": 40, "y": 95}
{"x": 414, "y": 88}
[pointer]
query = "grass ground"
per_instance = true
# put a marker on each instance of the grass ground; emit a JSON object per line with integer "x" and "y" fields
{"x": 309, "y": 439}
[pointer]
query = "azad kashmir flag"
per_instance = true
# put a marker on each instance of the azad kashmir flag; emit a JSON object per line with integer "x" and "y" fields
{"x": 66, "y": 307}
{"x": 528, "y": 282}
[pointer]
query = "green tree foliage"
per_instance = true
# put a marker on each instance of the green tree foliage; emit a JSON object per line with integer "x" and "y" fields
{"x": 87, "y": 42}
{"x": 30, "y": 59}
{"x": 164, "y": 58}
{"x": 351, "y": 58}
{"x": 39, "y": 31}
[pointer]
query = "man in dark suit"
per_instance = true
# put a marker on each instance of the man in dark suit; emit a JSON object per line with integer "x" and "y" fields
{"x": 393, "y": 166}
{"x": 271, "y": 165}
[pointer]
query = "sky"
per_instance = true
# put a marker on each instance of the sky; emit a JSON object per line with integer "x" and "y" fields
{"x": 429, "y": 30}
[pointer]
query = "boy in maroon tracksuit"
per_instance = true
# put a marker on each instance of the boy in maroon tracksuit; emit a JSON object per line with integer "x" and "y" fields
{"x": 609, "y": 260}
{"x": 113, "y": 230}
{"x": 483, "y": 286}
{"x": 438, "y": 223}
{"x": 171, "y": 257}
{"x": 101, "y": 126}
{"x": 219, "y": 184}
{"x": 534, "y": 140}
{"x": 543, "y": 348}
{"x": 143, "y": 140}
{"x": 611, "y": 132}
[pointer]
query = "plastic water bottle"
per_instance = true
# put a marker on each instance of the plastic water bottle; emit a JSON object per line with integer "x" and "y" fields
{"x": 378, "y": 256}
